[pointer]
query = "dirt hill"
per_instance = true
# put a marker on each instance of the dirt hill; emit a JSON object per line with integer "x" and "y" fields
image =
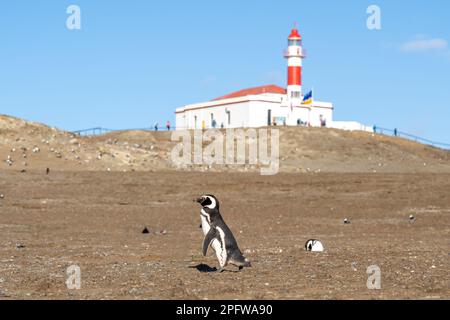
{"x": 31, "y": 146}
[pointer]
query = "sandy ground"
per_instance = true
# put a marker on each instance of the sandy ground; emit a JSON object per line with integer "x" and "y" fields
{"x": 95, "y": 220}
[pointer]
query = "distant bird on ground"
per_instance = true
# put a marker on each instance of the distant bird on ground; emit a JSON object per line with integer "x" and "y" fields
{"x": 412, "y": 218}
{"x": 47, "y": 171}
{"x": 145, "y": 231}
{"x": 346, "y": 221}
{"x": 2, "y": 196}
{"x": 218, "y": 235}
{"x": 314, "y": 246}
{"x": 161, "y": 232}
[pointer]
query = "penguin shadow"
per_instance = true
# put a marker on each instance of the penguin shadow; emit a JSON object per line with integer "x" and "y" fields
{"x": 204, "y": 268}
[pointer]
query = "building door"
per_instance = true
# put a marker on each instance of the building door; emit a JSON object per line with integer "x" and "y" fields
{"x": 195, "y": 122}
{"x": 269, "y": 117}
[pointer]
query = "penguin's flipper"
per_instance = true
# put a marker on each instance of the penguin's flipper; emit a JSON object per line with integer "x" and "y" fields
{"x": 212, "y": 234}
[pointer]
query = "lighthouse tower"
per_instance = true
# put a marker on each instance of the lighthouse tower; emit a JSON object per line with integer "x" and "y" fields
{"x": 294, "y": 55}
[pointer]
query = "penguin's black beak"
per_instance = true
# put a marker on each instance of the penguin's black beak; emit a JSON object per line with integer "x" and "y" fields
{"x": 198, "y": 200}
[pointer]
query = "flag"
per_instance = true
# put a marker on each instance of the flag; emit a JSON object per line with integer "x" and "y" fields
{"x": 308, "y": 98}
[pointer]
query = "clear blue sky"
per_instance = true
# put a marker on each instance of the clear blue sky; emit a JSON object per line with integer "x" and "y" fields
{"x": 134, "y": 62}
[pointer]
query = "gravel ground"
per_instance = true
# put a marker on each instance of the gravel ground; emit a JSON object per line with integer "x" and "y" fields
{"x": 95, "y": 220}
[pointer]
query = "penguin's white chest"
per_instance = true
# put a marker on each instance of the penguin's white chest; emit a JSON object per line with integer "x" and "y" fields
{"x": 218, "y": 246}
{"x": 205, "y": 225}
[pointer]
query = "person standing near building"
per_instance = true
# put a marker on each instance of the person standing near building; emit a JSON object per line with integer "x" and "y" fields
{"x": 156, "y": 126}
{"x": 323, "y": 122}
{"x": 168, "y": 125}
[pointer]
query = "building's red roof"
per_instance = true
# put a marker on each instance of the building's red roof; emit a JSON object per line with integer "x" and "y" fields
{"x": 295, "y": 35}
{"x": 254, "y": 91}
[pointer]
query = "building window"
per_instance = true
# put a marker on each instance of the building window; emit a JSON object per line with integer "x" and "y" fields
{"x": 229, "y": 117}
{"x": 295, "y": 94}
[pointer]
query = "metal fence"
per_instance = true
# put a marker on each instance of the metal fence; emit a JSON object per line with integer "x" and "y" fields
{"x": 92, "y": 131}
{"x": 99, "y": 131}
{"x": 408, "y": 136}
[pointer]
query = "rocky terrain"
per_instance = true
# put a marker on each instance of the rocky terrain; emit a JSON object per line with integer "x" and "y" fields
{"x": 30, "y": 146}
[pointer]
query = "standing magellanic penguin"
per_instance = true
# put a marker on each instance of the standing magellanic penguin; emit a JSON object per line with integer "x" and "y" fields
{"x": 218, "y": 235}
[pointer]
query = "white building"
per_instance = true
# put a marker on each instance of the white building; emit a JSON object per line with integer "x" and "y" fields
{"x": 266, "y": 105}
{"x": 255, "y": 107}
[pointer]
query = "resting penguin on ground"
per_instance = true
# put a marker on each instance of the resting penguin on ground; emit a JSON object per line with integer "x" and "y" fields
{"x": 314, "y": 245}
{"x": 218, "y": 235}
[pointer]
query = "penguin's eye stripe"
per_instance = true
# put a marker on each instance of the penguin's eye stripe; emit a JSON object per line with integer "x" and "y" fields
{"x": 206, "y": 202}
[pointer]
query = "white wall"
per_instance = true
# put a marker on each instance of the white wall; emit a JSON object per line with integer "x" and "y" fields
{"x": 350, "y": 125}
{"x": 239, "y": 116}
{"x": 326, "y": 113}
{"x": 259, "y": 111}
{"x": 300, "y": 113}
{"x": 180, "y": 121}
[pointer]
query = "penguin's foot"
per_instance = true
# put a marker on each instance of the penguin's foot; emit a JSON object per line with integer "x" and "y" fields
{"x": 241, "y": 262}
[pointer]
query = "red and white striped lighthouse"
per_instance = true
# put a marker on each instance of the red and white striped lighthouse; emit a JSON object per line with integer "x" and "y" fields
{"x": 294, "y": 55}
